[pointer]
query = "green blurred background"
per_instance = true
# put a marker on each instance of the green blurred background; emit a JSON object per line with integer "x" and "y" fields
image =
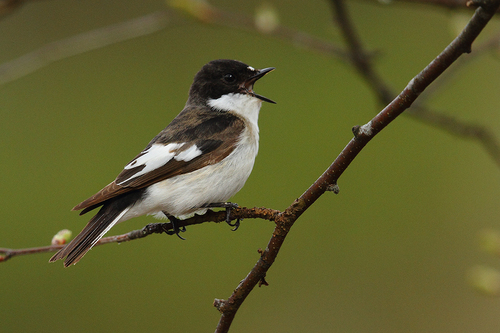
{"x": 390, "y": 253}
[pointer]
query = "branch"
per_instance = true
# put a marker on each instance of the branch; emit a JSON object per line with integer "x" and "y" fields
{"x": 481, "y": 134}
{"x": 362, "y": 135}
{"x": 357, "y": 54}
{"x": 208, "y": 14}
{"x": 78, "y": 44}
{"x": 6, "y": 254}
{"x": 154, "y": 228}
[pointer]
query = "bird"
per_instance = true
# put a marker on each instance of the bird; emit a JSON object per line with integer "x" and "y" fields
{"x": 199, "y": 161}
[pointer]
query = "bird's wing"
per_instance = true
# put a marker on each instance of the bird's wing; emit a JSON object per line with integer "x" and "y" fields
{"x": 205, "y": 139}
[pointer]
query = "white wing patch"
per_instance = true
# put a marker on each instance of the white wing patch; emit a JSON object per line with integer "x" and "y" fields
{"x": 158, "y": 155}
{"x": 188, "y": 154}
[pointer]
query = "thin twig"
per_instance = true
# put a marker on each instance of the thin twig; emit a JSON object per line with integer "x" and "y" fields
{"x": 144, "y": 25}
{"x": 78, "y": 44}
{"x": 6, "y": 254}
{"x": 155, "y": 228}
{"x": 208, "y": 14}
{"x": 464, "y": 130}
{"x": 357, "y": 54}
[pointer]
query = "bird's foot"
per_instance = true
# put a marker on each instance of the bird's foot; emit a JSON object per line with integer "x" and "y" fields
{"x": 175, "y": 226}
{"x": 228, "y": 206}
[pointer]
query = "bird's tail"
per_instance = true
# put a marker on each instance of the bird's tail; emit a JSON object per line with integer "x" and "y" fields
{"x": 99, "y": 225}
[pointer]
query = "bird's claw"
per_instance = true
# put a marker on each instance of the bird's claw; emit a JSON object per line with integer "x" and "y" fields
{"x": 229, "y": 206}
{"x": 175, "y": 228}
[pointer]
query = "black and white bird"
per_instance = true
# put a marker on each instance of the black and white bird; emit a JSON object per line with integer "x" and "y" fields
{"x": 201, "y": 159}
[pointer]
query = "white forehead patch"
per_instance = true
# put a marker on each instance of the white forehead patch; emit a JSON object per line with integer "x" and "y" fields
{"x": 251, "y": 68}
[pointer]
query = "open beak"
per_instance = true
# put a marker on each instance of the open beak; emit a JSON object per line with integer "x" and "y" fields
{"x": 247, "y": 86}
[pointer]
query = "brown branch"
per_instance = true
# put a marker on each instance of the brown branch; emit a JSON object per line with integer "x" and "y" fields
{"x": 6, "y": 254}
{"x": 155, "y": 228}
{"x": 358, "y": 56}
{"x": 363, "y": 134}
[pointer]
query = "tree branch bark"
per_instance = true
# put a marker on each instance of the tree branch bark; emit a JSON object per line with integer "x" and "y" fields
{"x": 155, "y": 228}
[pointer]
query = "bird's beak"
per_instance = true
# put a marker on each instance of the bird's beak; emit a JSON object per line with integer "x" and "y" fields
{"x": 247, "y": 86}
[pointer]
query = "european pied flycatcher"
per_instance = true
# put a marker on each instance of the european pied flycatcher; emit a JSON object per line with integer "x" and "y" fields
{"x": 200, "y": 160}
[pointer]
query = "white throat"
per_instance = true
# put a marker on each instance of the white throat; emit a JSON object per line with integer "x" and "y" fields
{"x": 242, "y": 104}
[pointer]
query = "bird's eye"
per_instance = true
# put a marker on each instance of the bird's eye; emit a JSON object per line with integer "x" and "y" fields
{"x": 229, "y": 78}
